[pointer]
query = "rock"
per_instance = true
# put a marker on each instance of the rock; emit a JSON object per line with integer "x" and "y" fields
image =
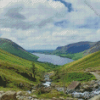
{"x": 61, "y": 98}
{"x": 19, "y": 93}
{"x": 82, "y": 90}
{"x": 74, "y": 85}
{"x": 1, "y": 92}
{"x": 86, "y": 95}
{"x": 92, "y": 82}
{"x": 87, "y": 88}
{"x": 99, "y": 83}
{"x": 22, "y": 93}
{"x": 34, "y": 96}
{"x": 44, "y": 90}
{"x": 54, "y": 98}
{"x": 9, "y": 95}
{"x": 69, "y": 99}
{"x": 95, "y": 85}
{"x": 60, "y": 89}
{"x": 96, "y": 98}
{"x": 33, "y": 91}
{"x": 53, "y": 85}
{"x": 76, "y": 95}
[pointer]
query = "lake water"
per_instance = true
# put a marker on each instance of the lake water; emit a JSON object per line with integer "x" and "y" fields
{"x": 56, "y": 60}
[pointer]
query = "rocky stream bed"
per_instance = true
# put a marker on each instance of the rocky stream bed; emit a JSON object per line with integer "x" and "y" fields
{"x": 76, "y": 91}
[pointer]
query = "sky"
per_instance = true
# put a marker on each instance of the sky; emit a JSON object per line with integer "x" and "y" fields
{"x": 47, "y": 24}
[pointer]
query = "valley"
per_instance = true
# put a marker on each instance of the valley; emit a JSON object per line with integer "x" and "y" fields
{"x": 50, "y": 77}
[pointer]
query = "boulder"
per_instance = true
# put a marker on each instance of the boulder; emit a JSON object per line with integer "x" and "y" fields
{"x": 34, "y": 96}
{"x": 33, "y": 91}
{"x": 1, "y": 92}
{"x": 44, "y": 90}
{"x": 61, "y": 98}
{"x": 82, "y": 90}
{"x": 87, "y": 88}
{"x": 74, "y": 85}
{"x": 52, "y": 85}
{"x": 69, "y": 98}
{"x": 9, "y": 95}
{"x": 86, "y": 95}
{"x": 92, "y": 82}
{"x": 96, "y": 98}
{"x": 23, "y": 93}
{"x": 20, "y": 93}
{"x": 54, "y": 98}
{"x": 95, "y": 85}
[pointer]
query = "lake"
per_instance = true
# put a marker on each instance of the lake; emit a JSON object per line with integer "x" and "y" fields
{"x": 56, "y": 60}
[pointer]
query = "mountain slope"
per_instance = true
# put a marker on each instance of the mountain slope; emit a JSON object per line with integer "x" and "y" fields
{"x": 16, "y": 72}
{"x": 15, "y": 49}
{"x": 79, "y": 70}
{"x": 94, "y": 48}
{"x": 75, "y": 47}
{"x": 74, "y": 51}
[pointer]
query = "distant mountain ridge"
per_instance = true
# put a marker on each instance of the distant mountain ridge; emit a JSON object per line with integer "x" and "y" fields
{"x": 94, "y": 48}
{"x": 75, "y": 47}
{"x": 15, "y": 49}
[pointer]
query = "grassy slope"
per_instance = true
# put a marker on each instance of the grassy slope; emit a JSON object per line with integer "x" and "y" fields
{"x": 15, "y": 49}
{"x": 91, "y": 62}
{"x": 15, "y": 71}
{"x": 74, "y": 56}
{"x": 78, "y": 70}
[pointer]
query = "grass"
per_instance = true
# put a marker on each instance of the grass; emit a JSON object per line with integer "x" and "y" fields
{"x": 15, "y": 71}
{"x": 51, "y": 94}
{"x": 15, "y": 49}
{"x": 73, "y": 76}
{"x": 78, "y": 70}
{"x": 91, "y": 62}
{"x": 74, "y": 56}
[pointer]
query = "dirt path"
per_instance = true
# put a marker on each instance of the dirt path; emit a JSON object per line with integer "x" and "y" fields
{"x": 96, "y": 75}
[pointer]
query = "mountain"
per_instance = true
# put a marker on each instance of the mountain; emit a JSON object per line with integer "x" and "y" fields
{"x": 16, "y": 72}
{"x": 94, "y": 48}
{"x": 74, "y": 51}
{"x": 79, "y": 70}
{"x": 15, "y": 49}
{"x": 75, "y": 47}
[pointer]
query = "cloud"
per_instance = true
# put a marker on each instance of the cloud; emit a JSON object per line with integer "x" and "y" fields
{"x": 15, "y": 13}
{"x": 34, "y": 15}
{"x": 46, "y": 24}
{"x": 68, "y": 5}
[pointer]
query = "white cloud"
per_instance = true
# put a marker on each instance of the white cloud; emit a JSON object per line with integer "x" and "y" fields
{"x": 30, "y": 23}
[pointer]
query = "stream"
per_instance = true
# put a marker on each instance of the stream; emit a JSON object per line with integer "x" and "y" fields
{"x": 86, "y": 95}
{"x": 47, "y": 79}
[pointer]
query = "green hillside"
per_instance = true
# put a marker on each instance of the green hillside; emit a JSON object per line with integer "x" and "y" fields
{"x": 15, "y": 49}
{"x": 74, "y": 51}
{"x": 78, "y": 70}
{"x": 16, "y": 72}
{"x": 74, "y": 56}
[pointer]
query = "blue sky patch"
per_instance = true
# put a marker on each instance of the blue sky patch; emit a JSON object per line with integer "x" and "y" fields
{"x": 68, "y": 5}
{"x": 62, "y": 23}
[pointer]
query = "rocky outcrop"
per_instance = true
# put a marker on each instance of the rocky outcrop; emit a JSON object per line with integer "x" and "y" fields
{"x": 9, "y": 95}
{"x": 96, "y": 98}
{"x": 74, "y": 85}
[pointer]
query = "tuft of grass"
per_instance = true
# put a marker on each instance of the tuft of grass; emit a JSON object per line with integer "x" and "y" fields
{"x": 74, "y": 76}
{"x": 53, "y": 93}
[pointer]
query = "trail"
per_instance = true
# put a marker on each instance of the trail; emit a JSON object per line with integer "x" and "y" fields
{"x": 96, "y": 75}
